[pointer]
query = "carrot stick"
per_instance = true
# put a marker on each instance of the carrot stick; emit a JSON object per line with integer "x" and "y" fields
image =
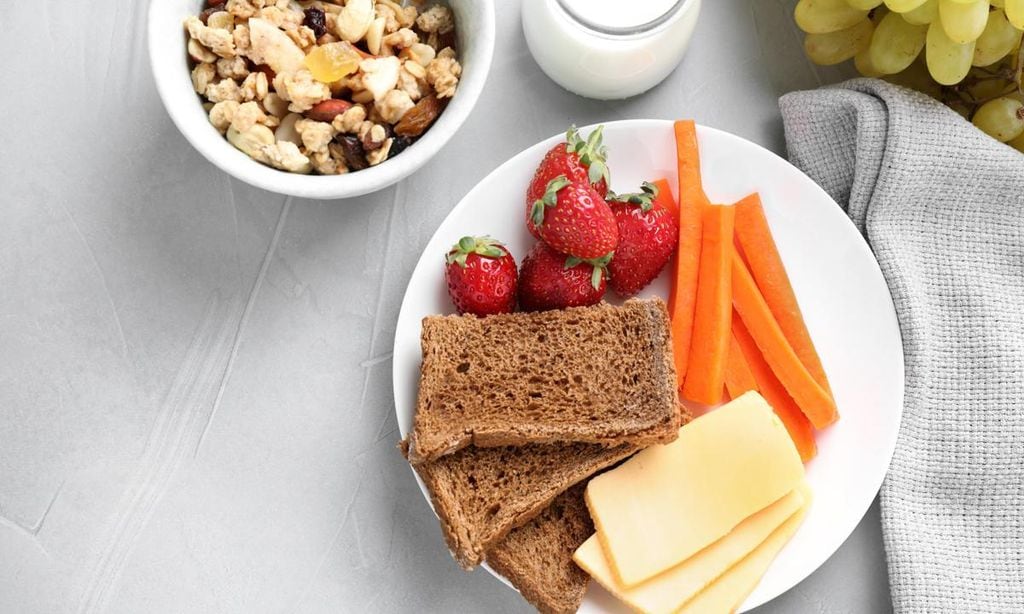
{"x": 709, "y": 345}
{"x": 738, "y": 377}
{"x": 762, "y": 257}
{"x": 812, "y": 399}
{"x": 666, "y": 199}
{"x": 683, "y": 297}
{"x": 796, "y": 423}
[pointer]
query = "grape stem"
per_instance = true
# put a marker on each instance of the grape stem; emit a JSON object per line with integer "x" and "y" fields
{"x": 1019, "y": 76}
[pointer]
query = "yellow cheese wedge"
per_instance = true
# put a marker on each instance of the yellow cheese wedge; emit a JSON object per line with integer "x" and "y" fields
{"x": 668, "y": 591}
{"x": 730, "y": 590}
{"x": 669, "y": 502}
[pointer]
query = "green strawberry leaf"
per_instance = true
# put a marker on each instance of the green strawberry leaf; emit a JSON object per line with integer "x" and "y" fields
{"x": 550, "y": 199}
{"x": 644, "y": 198}
{"x": 482, "y": 246}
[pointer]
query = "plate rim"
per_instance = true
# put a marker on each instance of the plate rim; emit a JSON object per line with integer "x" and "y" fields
{"x": 862, "y": 245}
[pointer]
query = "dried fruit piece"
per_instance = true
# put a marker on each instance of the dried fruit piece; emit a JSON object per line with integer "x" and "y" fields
{"x": 333, "y": 61}
{"x": 417, "y": 119}
{"x": 204, "y": 16}
{"x": 327, "y": 110}
{"x": 352, "y": 150}
{"x": 400, "y": 144}
{"x": 374, "y": 138}
{"x": 316, "y": 20}
{"x": 268, "y": 71}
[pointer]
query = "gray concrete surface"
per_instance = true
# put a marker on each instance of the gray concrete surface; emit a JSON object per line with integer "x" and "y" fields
{"x": 195, "y": 389}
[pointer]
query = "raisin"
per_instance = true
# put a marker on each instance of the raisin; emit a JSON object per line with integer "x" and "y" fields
{"x": 263, "y": 68}
{"x": 448, "y": 39}
{"x": 316, "y": 21}
{"x": 417, "y": 119}
{"x": 205, "y": 15}
{"x": 215, "y": 3}
{"x": 399, "y": 144}
{"x": 353, "y": 152}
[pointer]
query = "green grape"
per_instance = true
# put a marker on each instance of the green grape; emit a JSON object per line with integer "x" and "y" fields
{"x": 1015, "y": 13}
{"x": 948, "y": 62}
{"x": 997, "y": 3}
{"x": 864, "y": 5}
{"x": 997, "y": 41}
{"x": 895, "y": 44}
{"x": 916, "y": 77}
{"x": 1017, "y": 143}
{"x": 963, "y": 23}
{"x": 835, "y": 47}
{"x": 821, "y": 16}
{"x": 1002, "y": 118}
{"x": 924, "y": 14}
{"x": 902, "y": 6}
{"x": 862, "y": 62}
{"x": 982, "y": 87}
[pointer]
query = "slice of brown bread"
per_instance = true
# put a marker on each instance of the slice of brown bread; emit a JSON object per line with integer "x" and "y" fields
{"x": 601, "y": 374}
{"x": 537, "y": 557}
{"x": 480, "y": 494}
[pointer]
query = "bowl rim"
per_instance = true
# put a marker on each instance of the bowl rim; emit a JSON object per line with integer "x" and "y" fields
{"x": 169, "y": 66}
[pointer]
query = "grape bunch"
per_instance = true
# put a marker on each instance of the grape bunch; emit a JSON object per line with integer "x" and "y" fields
{"x": 966, "y": 53}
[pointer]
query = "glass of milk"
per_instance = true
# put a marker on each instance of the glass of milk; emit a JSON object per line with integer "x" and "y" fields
{"x": 608, "y": 49}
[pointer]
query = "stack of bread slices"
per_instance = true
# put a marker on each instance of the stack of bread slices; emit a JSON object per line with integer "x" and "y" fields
{"x": 517, "y": 412}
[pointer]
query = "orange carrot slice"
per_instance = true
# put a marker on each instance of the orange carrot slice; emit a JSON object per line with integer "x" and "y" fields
{"x": 796, "y": 423}
{"x": 812, "y": 399}
{"x": 665, "y": 198}
{"x": 683, "y": 296}
{"x": 754, "y": 237}
{"x": 738, "y": 377}
{"x": 709, "y": 345}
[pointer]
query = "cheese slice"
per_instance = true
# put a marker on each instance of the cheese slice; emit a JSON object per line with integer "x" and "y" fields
{"x": 669, "y": 502}
{"x": 729, "y": 591}
{"x": 668, "y": 591}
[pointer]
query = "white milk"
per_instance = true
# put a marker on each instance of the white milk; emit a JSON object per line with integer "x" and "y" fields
{"x": 608, "y": 49}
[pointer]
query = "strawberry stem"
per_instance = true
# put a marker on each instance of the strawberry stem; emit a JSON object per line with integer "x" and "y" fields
{"x": 482, "y": 246}
{"x": 644, "y": 198}
{"x": 592, "y": 152}
{"x": 550, "y": 199}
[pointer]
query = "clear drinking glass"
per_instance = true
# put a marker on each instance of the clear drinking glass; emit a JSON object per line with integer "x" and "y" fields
{"x": 608, "y": 49}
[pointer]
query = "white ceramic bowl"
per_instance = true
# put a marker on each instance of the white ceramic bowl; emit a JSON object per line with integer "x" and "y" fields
{"x": 475, "y": 29}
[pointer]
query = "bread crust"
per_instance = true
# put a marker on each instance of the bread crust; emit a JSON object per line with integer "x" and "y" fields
{"x": 602, "y": 375}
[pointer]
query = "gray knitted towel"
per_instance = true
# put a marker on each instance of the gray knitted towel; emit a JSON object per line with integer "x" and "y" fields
{"x": 942, "y": 206}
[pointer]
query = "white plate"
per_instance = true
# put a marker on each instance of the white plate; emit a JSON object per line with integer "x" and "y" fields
{"x": 844, "y": 298}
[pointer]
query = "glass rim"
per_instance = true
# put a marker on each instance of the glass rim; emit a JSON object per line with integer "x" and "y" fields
{"x": 626, "y": 31}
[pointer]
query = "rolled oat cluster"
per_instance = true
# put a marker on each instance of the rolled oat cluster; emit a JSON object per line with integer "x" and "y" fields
{"x": 322, "y": 86}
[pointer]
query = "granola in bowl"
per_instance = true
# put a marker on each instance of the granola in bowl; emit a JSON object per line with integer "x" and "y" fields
{"x": 322, "y": 86}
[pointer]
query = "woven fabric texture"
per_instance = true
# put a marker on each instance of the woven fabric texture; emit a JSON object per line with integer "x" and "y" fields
{"x": 942, "y": 206}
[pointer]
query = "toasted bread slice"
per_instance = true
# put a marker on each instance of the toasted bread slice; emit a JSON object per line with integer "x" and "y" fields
{"x": 601, "y": 374}
{"x": 481, "y": 494}
{"x": 537, "y": 557}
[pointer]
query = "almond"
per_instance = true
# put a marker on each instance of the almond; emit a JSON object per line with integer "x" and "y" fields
{"x": 327, "y": 110}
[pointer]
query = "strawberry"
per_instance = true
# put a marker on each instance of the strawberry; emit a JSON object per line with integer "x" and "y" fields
{"x": 573, "y": 219}
{"x": 581, "y": 161}
{"x": 648, "y": 234}
{"x": 481, "y": 276}
{"x": 550, "y": 280}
